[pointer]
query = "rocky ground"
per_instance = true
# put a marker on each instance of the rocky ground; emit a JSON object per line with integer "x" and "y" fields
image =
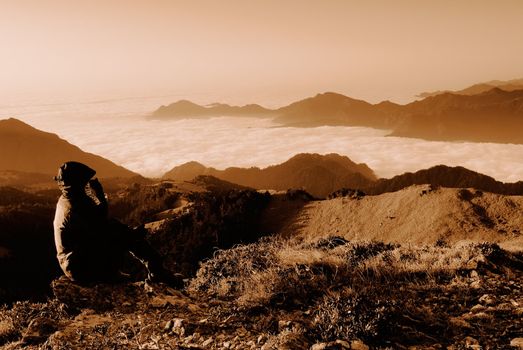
{"x": 476, "y": 304}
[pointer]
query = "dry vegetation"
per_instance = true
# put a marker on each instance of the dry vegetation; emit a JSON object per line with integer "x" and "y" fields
{"x": 286, "y": 292}
{"x": 384, "y": 294}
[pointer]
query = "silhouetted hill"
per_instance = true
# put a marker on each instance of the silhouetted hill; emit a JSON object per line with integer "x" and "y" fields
{"x": 214, "y": 184}
{"x": 445, "y": 176}
{"x": 322, "y": 175}
{"x": 27, "y": 149}
{"x": 188, "y": 171}
{"x": 13, "y": 196}
{"x": 494, "y": 115}
{"x": 335, "y": 109}
{"x": 21, "y": 179}
{"x": 315, "y": 173}
{"x": 510, "y": 85}
{"x": 186, "y": 109}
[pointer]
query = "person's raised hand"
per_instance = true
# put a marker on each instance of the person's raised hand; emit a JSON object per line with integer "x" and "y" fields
{"x": 96, "y": 186}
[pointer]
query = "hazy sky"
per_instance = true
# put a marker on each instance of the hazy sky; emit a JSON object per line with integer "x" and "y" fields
{"x": 270, "y": 51}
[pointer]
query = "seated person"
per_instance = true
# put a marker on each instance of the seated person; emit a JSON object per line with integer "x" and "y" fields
{"x": 90, "y": 246}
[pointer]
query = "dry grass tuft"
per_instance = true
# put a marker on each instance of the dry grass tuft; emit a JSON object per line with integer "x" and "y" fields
{"x": 351, "y": 290}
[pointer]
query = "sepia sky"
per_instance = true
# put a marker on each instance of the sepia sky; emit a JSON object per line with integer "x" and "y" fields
{"x": 241, "y": 51}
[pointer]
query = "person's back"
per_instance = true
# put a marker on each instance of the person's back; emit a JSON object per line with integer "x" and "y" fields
{"x": 91, "y": 247}
{"x": 79, "y": 225}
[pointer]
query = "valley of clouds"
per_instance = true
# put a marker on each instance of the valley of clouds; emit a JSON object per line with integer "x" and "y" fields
{"x": 118, "y": 131}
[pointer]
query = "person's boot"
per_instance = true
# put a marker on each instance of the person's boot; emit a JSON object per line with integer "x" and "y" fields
{"x": 152, "y": 261}
{"x": 162, "y": 275}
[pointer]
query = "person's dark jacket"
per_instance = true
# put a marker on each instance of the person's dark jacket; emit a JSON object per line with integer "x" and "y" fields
{"x": 80, "y": 224}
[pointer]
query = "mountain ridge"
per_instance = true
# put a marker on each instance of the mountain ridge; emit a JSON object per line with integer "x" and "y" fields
{"x": 318, "y": 174}
{"x": 27, "y": 149}
{"x": 335, "y": 172}
{"x": 444, "y": 117}
{"x": 184, "y": 108}
{"x": 507, "y": 85}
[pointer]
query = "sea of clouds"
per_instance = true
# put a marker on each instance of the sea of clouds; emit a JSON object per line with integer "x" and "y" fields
{"x": 120, "y": 131}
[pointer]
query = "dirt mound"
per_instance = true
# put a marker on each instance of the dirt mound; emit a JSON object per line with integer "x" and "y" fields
{"x": 418, "y": 214}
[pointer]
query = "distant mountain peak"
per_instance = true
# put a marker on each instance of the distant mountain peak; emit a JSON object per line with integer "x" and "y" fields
{"x": 14, "y": 121}
{"x": 187, "y": 109}
{"x": 318, "y": 174}
{"x": 480, "y": 113}
{"x": 507, "y": 85}
{"x": 13, "y": 124}
{"x": 495, "y": 91}
{"x": 322, "y": 175}
{"x": 192, "y": 163}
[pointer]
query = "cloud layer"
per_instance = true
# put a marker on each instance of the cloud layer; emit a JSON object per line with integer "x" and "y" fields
{"x": 118, "y": 131}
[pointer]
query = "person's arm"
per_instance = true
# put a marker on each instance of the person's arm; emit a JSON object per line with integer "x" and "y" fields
{"x": 99, "y": 194}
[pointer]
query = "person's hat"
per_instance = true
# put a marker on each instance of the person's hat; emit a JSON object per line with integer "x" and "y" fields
{"x": 74, "y": 173}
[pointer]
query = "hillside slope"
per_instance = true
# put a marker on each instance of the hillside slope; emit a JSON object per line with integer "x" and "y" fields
{"x": 27, "y": 149}
{"x": 445, "y": 176}
{"x": 418, "y": 215}
{"x": 492, "y": 116}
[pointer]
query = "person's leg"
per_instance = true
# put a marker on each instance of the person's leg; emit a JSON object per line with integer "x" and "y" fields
{"x": 133, "y": 240}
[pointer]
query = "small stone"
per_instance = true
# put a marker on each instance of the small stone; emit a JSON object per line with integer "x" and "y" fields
{"x": 158, "y": 302}
{"x": 459, "y": 322}
{"x": 227, "y": 344}
{"x": 178, "y": 327}
{"x": 177, "y": 322}
{"x": 343, "y": 344}
{"x": 475, "y": 285}
{"x": 517, "y": 343}
{"x": 474, "y": 274}
{"x": 487, "y": 299}
{"x": 505, "y": 307}
{"x": 261, "y": 339}
{"x": 477, "y": 308}
{"x": 283, "y": 325}
{"x": 319, "y": 346}
{"x": 477, "y": 316}
{"x": 168, "y": 326}
{"x": 471, "y": 343}
{"x": 358, "y": 345}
